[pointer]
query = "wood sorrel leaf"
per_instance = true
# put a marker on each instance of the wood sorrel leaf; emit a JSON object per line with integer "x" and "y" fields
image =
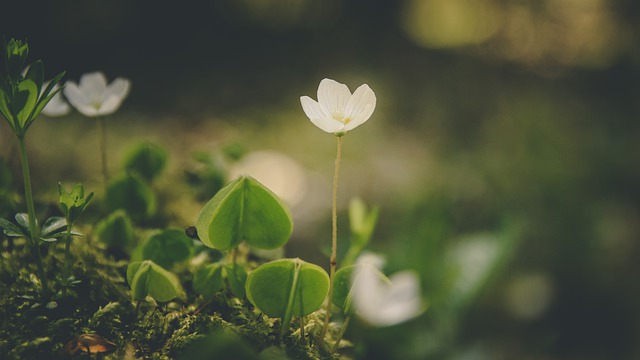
{"x": 149, "y": 278}
{"x": 130, "y": 193}
{"x": 165, "y": 248}
{"x": 209, "y": 280}
{"x": 116, "y": 231}
{"x": 147, "y": 160}
{"x": 244, "y": 210}
{"x": 286, "y": 288}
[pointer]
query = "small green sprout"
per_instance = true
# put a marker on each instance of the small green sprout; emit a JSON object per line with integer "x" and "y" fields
{"x": 73, "y": 205}
{"x": 209, "y": 280}
{"x": 52, "y": 229}
{"x": 165, "y": 248}
{"x": 147, "y": 160}
{"x": 22, "y": 98}
{"x": 147, "y": 278}
{"x": 116, "y": 231}
{"x": 130, "y": 193}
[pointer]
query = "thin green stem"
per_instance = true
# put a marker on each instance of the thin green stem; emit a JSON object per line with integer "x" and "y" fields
{"x": 333, "y": 262}
{"x": 28, "y": 196}
{"x": 67, "y": 249}
{"x": 103, "y": 150}
{"x": 342, "y": 330}
{"x": 302, "y": 330}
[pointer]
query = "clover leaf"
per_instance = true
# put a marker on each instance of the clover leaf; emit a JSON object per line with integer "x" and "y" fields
{"x": 244, "y": 210}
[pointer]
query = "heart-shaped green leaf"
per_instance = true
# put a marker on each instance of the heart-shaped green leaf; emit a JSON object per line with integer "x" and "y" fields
{"x": 116, "y": 231}
{"x": 147, "y": 160}
{"x": 130, "y": 193}
{"x": 165, "y": 248}
{"x": 207, "y": 281}
{"x": 286, "y": 288}
{"x": 148, "y": 278}
{"x": 244, "y": 210}
{"x": 212, "y": 278}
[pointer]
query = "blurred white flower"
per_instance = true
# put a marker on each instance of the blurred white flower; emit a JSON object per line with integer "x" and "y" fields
{"x": 337, "y": 110}
{"x": 56, "y": 106}
{"x": 385, "y": 302}
{"x": 93, "y": 97}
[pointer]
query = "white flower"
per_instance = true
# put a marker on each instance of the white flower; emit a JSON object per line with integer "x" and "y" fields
{"x": 56, "y": 106}
{"x": 93, "y": 97}
{"x": 337, "y": 111}
{"x": 385, "y": 302}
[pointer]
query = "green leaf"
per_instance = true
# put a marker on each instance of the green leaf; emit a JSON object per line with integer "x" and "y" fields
{"x": 147, "y": 160}
{"x": 25, "y": 100}
{"x": 74, "y": 202}
{"x": 23, "y": 220}
{"x": 53, "y": 225}
{"x": 207, "y": 281}
{"x": 236, "y": 277}
{"x": 166, "y": 248}
{"x": 286, "y": 288}
{"x": 5, "y": 108}
{"x": 362, "y": 223}
{"x": 10, "y": 229}
{"x": 130, "y": 193}
{"x": 47, "y": 94}
{"x": 244, "y": 210}
{"x": 148, "y": 278}
{"x": 36, "y": 73}
{"x": 116, "y": 231}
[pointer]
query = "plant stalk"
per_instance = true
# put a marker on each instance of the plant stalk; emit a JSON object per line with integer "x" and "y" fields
{"x": 28, "y": 196}
{"x": 333, "y": 262}
{"x": 103, "y": 150}
{"x": 342, "y": 330}
{"x": 67, "y": 249}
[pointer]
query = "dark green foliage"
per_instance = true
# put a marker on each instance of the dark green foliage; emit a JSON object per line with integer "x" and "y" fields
{"x": 131, "y": 194}
{"x": 209, "y": 280}
{"x": 146, "y": 160}
{"x": 165, "y": 248}
{"x": 116, "y": 231}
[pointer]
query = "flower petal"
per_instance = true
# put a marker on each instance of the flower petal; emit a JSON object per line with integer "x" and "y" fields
{"x": 318, "y": 117}
{"x": 78, "y": 99}
{"x": 93, "y": 85}
{"x": 360, "y": 106}
{"x": 110, "y": 105}
{"x": 333, "y": 96}
{"x": 119, "y": 87}
{"x": 56, "y": 107}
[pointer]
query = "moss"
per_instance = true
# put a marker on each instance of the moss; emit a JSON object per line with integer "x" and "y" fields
{"x": 94, "y": 299}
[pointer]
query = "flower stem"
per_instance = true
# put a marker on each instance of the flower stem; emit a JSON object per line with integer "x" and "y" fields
{"x": 342, "y": 330}
{"x": 333, "y": 262}
{"x": 67, "y": 249}
{"x": 103, "y": 150}
{"x": 28, "y": 196}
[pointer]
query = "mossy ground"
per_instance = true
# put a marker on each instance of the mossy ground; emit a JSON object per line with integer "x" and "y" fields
{"x": 94, "y": 299}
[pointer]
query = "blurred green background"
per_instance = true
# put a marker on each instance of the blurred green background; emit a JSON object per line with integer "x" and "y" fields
{"x": 504, "y": 151}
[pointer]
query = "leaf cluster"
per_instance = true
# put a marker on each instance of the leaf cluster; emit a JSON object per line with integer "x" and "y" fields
{"x": 22, "y": 97}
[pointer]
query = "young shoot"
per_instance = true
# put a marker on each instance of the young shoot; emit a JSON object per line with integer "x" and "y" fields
{"x": 22, "y": 98}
